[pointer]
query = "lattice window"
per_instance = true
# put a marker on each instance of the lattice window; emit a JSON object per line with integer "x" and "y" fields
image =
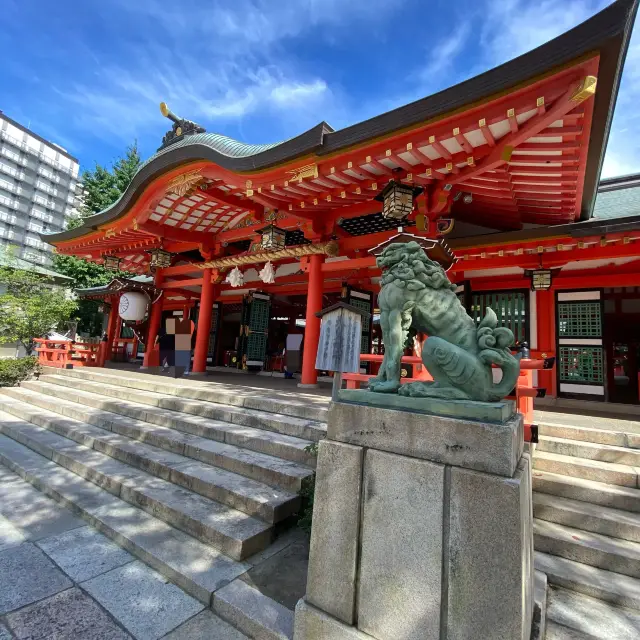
{"x": 581, "y": 364}
{"x": 579, "y": 319}
{"x": 363, "y": 305}
{"x": 256, "y": 346}
{"x": 510, "y": 307}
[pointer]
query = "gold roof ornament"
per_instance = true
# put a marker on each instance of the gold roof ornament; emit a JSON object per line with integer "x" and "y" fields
{"x": 184, "y": 183}
{"x": 585, "y": 89}
{"x": 308, "y": 171}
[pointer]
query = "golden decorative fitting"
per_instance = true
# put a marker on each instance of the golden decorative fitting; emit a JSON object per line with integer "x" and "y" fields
{"x": 259, "y": 189}
{"x": 271, "y": 216}
{"x": 603, "y": 242}
{"x": 540, "y": 249}
{"x": 328, "y": 198}
{"x": 290, "y": 207}
{"x": 315, "y": 201}
{"x": 183, "y": 184}
{"x": 470, "y": 161}
{"x": 248, "y": 184}
{"x": 519, "y": 252}
{"x": 540, "y": 102}
{"x": 349, "y": 164}
{"x": 327, "y": 248}
{"x": 358, "y": 190}
{"x": 432, "y": 139}
{"x": 483, "y": 254}
{"x": 585, "y": 89}
{"x": 368, "y": 159}
{"x": 511, "y": 113}
{"x": 559, "y": 247}
{"x": 580, "y": 244}
{"x": 332, "y": 170}
{"x": 135, "y": 224}
{"x": 387, "y": 152}
{"x": 456, "y": 131}
{"x": 482, "y": 122}
{"x": 273, "y": 187}
{"x": 449, "y": 166}
{"x": 110, "y": 233}
{"x": 249, "y": 193}
{"x": 428, "y": 173}
{"x": 409, "y": 146}
{"x": 626, "y": 240}
{"x": 374, "y": 186}
{"x": 507, "y": 153}
{"x": 286, "y": 183}
{"x": 302, "y": 205}
{"x": 308, "y": 171}
{"x": 501, "y": 253}
{"x": 343, "y": 194}
{"x": 409, "y": 177}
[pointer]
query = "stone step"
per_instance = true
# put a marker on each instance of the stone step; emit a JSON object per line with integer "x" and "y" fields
{"x": 306, "y": 406}
{"x": 608, "y": 495}
{"x": 259, "y": 440}
{"x": 278, "y": 423}
{"x": 196, "y": 567}
{"x": 587, "y": 517}
{"x": 591, "y": 581}
{"x": 234, "y": 533}
{"x": 260, "y": 467}
{"x": 252, "y": 497}
{"x": 589, "y": 434}
{"x": 589, "y": 450}
{"x": 254, "y": 613}
{"x": 597, "y": 550}
{"x": 608, "y": 472}
{"x": 588, "y": 617}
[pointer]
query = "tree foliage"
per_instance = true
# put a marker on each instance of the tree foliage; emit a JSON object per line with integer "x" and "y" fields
{"x": 102, "y": 187}
{"x": 31, "y": 306}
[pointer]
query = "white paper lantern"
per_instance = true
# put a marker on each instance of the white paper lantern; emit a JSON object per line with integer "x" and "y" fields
{"x": 133, "y": 306}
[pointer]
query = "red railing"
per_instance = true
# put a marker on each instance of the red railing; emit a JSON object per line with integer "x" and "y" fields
{"x": 525, "y": 391}
{"x": 64, "y": 355}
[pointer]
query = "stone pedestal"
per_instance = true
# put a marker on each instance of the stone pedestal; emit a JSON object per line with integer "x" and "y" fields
{"x": 422, "y": 527}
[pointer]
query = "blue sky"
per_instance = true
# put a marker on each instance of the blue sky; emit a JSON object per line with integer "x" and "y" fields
{"x": 89, "y": 74}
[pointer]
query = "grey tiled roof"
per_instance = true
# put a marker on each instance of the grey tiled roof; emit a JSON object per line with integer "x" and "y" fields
{"x": 620, "y": 203}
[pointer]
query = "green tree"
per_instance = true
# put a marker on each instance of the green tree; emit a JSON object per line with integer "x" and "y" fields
{"x": 30, "y": 307}
{"x": 102, "y": 187}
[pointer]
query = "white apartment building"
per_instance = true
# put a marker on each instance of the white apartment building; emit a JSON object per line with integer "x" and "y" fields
{"x": 38, "y": 184}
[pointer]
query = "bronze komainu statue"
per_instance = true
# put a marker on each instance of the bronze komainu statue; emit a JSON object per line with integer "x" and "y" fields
{"x": 416, "y": 293}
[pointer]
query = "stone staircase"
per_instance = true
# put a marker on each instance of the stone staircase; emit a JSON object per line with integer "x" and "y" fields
{"x": 586, "y": 502}
{"x": 194, "y": 478}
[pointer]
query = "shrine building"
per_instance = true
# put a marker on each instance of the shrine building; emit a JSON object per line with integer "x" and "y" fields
{"x": 253, "y": 240}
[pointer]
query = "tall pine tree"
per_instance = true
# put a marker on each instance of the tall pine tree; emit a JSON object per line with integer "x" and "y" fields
{"x": 102, "y": 187}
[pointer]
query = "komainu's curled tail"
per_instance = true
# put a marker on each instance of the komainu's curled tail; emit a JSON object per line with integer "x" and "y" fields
{"x": 493, "y": 349}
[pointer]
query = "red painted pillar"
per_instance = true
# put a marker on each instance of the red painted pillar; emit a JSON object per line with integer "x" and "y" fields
{"x": 112, "y": 326}
{"x": 312, "y": 328}
{"x": 204, "y": 323}
{"x": 545, "y": 305}
{"x": 155, "y": 319}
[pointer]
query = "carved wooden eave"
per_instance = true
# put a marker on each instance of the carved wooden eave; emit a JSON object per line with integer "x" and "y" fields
{"x": 323, "y": 248}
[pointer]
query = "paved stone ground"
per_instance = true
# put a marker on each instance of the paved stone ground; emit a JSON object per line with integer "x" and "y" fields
{"x": 62, "y": 579}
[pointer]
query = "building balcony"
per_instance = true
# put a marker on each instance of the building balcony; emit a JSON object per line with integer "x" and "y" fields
{"x": 13, "y": 141}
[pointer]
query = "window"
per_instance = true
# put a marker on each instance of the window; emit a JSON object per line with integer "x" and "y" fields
{"x": 581, "y": 364}
{"x": 579, "y": 319}
{"x": 511, "y": 308}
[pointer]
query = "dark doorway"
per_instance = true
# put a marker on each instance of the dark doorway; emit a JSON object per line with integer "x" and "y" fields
{"x": 622, "y": 343}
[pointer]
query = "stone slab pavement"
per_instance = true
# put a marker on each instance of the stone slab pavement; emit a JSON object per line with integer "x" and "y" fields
{"x": 61, "y": 578}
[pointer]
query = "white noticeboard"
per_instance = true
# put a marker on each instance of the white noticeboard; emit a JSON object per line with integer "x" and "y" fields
{"x": 339, "y": 346}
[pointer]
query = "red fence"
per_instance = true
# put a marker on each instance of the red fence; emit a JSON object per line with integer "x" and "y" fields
{"x": 525, "y": 391}
{"x": 65, "y": 355}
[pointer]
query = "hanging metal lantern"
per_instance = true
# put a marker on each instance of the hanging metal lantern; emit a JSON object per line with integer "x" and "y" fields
{"x": 397, "y": 200}
{"x": 112, "y": 263}
{"x": 540, "y": 279}
{"x": 160, "y": 258}
{"x": 273, "y": 238}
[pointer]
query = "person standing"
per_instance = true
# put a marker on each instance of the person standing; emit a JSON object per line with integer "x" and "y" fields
{"x": 166, "y": 341}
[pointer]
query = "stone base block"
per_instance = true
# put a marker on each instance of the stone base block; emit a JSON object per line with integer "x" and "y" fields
{"x": 314, "y": 623}
{"x": 483, "y": 446}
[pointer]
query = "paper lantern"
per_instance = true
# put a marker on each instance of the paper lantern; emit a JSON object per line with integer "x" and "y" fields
{"x": 133, "y": 306}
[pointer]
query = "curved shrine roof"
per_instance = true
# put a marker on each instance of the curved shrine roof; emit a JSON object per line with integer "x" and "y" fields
{"x": 604, "y": 37}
